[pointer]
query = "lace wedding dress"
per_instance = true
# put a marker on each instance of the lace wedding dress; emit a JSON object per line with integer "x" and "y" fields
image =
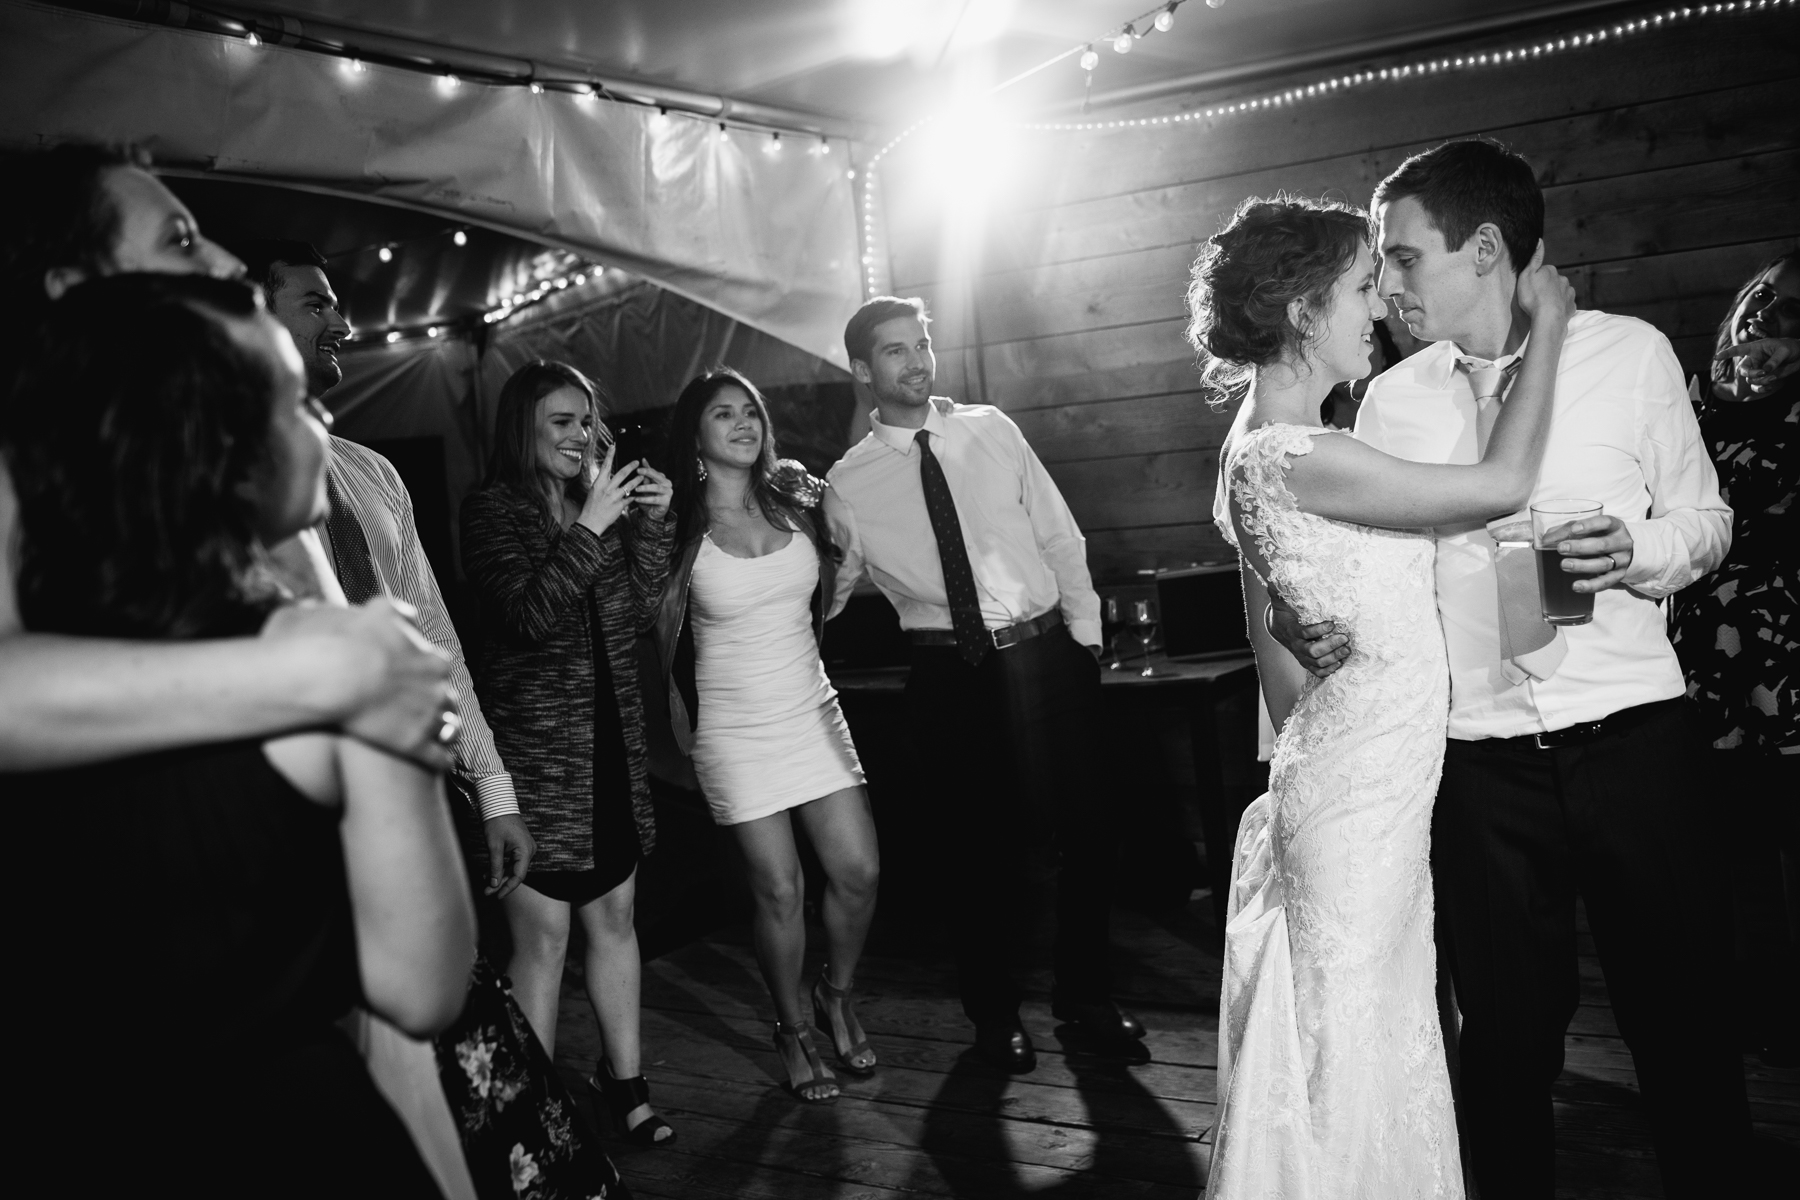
{"x": 1332, "y": 1080}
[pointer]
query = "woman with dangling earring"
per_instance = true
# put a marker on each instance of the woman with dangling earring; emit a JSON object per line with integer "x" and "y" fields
{"x": 738, "y": 633}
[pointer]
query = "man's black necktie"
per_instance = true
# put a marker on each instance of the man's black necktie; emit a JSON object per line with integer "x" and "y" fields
{"x": 349, "y": 548}
{"x": 959, "y": 577}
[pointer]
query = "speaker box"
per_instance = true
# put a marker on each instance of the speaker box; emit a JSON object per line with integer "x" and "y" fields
{"x": 1202, "y": 611}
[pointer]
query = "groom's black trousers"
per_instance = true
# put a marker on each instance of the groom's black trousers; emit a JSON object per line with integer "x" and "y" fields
{"x": 1623, "y": 820}
{"x": 1007, "y": 754}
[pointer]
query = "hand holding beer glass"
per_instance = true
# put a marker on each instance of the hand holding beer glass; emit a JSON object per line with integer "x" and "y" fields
{"x": 1550, "y": 521}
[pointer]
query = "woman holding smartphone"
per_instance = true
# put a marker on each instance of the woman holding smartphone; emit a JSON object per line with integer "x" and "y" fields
{"x": 569, "y": 559}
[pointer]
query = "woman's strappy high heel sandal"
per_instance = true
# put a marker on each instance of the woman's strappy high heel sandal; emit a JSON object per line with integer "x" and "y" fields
{"x": 819, "y": 1085}
{"x": 856, "y": 1057}
{"x": 623, "y": 1095}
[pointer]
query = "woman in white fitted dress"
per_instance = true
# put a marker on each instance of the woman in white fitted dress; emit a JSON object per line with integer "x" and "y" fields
{"x": 744, "y": 608}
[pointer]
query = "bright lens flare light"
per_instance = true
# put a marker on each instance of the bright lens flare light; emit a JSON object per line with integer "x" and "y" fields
{"x": 972, "y": 145}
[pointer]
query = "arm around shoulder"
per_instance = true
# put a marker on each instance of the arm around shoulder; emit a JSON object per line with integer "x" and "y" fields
{"x": 840, "y": 520}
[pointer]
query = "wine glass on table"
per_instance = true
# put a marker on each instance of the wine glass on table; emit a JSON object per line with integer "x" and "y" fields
{"x": 1143, "y": 627}
{"x": 1112, "y": 622}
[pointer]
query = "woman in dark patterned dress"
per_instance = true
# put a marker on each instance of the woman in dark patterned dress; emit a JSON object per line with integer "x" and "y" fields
{"x": 569, "y": 561}
{"x": 1737, "y": 632}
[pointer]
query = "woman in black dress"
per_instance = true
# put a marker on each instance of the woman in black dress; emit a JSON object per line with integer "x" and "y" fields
{"x": 569, "y": 561}
{"x": 198, "y": 920}
{"x": 1737, "y": 631}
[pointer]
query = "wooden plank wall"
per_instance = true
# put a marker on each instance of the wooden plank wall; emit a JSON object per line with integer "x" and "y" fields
{"x": 1671, "y": 167}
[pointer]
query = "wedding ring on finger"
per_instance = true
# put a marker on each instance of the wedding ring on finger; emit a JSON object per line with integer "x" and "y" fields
{"x": 450, "y": 726}
{"x": 1612, "y": 564}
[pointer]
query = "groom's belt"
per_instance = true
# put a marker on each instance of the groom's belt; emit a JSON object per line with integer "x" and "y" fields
{"x": 1588, "y": 731}
{"x": 1006, "y": 635}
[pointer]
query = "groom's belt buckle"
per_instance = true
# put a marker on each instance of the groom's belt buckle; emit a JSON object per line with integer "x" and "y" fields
{"x": 1569, "y": 735}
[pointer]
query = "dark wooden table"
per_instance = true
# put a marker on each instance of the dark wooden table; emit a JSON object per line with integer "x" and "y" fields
{"x": 1216, "y": 697}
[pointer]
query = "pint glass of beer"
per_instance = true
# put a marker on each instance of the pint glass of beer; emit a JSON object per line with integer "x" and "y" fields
{"x": 1550, "y": 521}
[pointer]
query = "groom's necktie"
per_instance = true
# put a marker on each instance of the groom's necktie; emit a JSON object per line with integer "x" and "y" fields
{"x": 1488, "y": 381}
{"x": 1529, "y": 648}
{"x": 959, "y": 577}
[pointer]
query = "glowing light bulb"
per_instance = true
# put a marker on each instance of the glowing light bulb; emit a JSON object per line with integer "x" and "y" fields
{"x": 250, "y": 39}
{"x": 1089, "y": 59}
{"x": 393, "y": 336}
{"x": 1122, "y": 43}
{"x": 1165, "y": 20}
{"x": 460, "y": 237}
{"x": 447, "y": 83}
{"x": 385, "y": 254}
{"x": 537, "y": 89}
{"x": 434, "y": 331}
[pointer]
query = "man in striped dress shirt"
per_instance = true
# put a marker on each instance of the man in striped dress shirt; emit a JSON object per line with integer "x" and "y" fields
{"x": 374, "y": 543}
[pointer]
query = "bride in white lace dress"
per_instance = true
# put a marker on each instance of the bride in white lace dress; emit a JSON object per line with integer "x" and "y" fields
{"x": 1332, "y": 1077}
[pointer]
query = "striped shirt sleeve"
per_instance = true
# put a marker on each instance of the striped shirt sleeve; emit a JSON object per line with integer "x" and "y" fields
{"x": 373, "y": 490}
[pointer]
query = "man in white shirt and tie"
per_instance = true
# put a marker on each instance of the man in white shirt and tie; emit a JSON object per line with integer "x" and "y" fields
{"x": 960, "y": 526}
{"x": 1570, "y": 769}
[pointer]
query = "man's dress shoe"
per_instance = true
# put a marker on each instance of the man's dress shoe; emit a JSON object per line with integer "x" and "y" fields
{"x": 1007, "y": 1047}
{"x": 1101, "y": 1020}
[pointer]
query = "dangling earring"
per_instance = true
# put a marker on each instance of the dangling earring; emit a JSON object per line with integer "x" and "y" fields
{"x": 700, "y": 468}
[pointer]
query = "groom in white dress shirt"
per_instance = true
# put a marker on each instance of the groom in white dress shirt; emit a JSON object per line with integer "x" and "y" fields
{"x": 1571, "y": 770}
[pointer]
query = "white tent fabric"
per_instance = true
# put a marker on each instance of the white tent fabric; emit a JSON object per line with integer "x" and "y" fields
{"x": 766, "y": 238}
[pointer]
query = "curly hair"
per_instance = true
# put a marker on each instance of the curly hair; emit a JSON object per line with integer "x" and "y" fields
{"x": 781, "y": 487}
{"x": 513, "y": 461}
{"x": 1271, "y": 253}
{"x": 131, "y": 425}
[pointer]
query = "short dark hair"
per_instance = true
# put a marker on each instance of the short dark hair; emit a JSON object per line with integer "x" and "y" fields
{"x": 58, "y": 214}
{"x": 1271, "y": 253}
{"x": 1466, "y": 183}
{"x": 261, "y": 257}
{"x": 130, "y": 502}
{"x": 859, "y": 334}
{"x": 514, "y": 458}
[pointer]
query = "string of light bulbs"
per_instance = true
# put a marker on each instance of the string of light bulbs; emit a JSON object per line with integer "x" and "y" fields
{"x": 353, "y": 62}
{"x": 1316, "y": 90}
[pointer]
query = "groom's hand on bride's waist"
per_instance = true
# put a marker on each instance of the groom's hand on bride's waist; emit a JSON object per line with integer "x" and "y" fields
{"x": 1320, "y": 649}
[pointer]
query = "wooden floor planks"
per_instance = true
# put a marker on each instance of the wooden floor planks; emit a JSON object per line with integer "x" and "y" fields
{"x": 934, "y": 1121}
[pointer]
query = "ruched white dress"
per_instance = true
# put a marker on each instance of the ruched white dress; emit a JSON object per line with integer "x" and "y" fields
{"x": 770, "y": 734}
{"x": 1332, "y": 1080}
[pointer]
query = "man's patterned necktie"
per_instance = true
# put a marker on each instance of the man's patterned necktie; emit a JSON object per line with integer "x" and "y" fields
{"x": 959, "y": 577}
{"x": 349, "y": 548}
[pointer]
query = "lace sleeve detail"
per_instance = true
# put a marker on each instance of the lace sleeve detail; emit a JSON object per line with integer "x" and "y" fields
{"x": 1259, "y": 491}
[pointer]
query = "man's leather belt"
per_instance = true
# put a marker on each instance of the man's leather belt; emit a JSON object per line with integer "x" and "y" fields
{"x": 1588, "y": 731}
{"x": 1008, "y": 635}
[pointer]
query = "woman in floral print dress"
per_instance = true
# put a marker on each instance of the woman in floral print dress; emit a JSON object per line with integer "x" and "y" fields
{"x": 1737, "y": 631}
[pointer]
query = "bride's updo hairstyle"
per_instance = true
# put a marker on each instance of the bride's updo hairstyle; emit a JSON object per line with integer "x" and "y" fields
{"x": 1272, "y": 253}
